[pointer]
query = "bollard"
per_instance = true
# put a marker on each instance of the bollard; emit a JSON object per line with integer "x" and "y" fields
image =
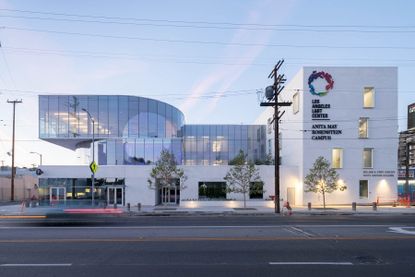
{"x": 139, "y": 206}
{"x": 128, "y": 207}
{"x": 353, "y": 206}
{"x": 374, "y": 206}
{"x": 309, "y": 206}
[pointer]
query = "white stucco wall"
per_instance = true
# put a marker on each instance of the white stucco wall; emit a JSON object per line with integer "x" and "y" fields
{"x": 137, "y": 190}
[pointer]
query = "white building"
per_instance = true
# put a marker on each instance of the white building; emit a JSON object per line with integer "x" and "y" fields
{"x": 348, "y": 115}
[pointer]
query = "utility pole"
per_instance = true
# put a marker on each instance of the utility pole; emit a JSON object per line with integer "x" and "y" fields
{"x": 14, "y": 102}
{"x": 272, "y": 93}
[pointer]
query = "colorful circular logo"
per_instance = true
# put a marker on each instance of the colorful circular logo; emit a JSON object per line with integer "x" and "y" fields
{"x": 314, "y": 76}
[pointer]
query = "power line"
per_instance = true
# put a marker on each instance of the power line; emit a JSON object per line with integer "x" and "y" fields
{"x": 158, "y": 59}
{"x": 206, "y": 42}
{"x": 127, "y": 55}
{"x": 206, "y": 22}
{"x": 193, "y": 26}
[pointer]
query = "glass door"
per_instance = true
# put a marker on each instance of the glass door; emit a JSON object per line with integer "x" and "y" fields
{"x": 169, "y": 195}
{"x": 57, "y": 196}
{"x": 115, "y": 195}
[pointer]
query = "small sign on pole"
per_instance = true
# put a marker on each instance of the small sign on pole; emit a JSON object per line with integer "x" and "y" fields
{"x": 94, "y": 167}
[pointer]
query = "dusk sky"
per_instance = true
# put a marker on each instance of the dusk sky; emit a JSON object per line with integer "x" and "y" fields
{"x": 208, "y": 58}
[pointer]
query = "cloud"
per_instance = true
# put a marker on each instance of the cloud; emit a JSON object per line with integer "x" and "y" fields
{"x": 223, "y": 77}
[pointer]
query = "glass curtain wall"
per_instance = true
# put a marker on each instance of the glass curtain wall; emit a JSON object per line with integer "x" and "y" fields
{"x": 219, "y": 144}
{"x": 63, "y": 116}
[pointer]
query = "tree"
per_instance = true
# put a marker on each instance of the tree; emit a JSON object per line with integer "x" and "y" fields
{"x": 243, "y": 177}
{"x": 165, "y": 172}
{"x": 322, "y": 179}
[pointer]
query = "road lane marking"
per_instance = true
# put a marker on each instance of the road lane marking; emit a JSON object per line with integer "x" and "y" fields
{"x": 301, "y": 232}
{"x": 195, "y": 227}
{"x": 32, "y": 265}
{"x": 311, "y": 263}
{"x": 175, "y": 239}
{"x": 403, "y": 230}
{"x": 22, "y": 216}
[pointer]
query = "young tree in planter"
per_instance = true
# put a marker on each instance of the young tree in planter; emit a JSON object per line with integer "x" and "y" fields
{"x": 165, "y": 172}
{"x": 242, "y": 175}
{"x": 322, "y": 179}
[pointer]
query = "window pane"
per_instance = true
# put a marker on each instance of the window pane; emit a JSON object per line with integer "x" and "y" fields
{"x": 367, "y": 157}
{"x": 296, "y": 103}
{"x": 161, "y": 120}
{"x": 63, "y": 116}
{"x": 133, "y": 117}
{"x": 103, "y": 116}
{"x": 337, "y": 158}
{"x": 93, "y": 110}
{"x": 123, "y": 116}
{"x": 143, "y": 118}
{"x": 256, "y": 190}
{"x": 113, "y": 116}
{"x": 152, "y": 120}
{"x": 363, "y": 189}
{"x": 212, "y": 190}
{"x": 369, "y": 97}
{"x": 53, "y": 116}
{"x": 363, "y": 127}
{"x": 43, "y": 116}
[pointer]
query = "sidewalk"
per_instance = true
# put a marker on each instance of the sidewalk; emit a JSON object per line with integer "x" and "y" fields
{"x": 6, "y": 210}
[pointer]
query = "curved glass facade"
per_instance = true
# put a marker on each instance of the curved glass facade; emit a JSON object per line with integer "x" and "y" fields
{"x": 132, "y": 130}
{"x": 63, "y": 116}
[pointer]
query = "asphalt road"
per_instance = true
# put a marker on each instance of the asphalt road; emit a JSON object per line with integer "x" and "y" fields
{"x": 209, "y": 246}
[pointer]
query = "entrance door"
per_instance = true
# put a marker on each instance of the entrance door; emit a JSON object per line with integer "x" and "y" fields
{"x": 57, "y": 196}
{"x": 115, "y": 195}
{"x": 291, "y": 196}
{"x": 169, "y": 195}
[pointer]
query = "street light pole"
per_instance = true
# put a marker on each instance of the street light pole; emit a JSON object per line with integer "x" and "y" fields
{"x": 40, "y": 156}
{"x": 93, "y": 156}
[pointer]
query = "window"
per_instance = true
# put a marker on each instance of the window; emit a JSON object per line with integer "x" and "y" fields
{"x": 369, "y": 97}
{"x": 337, "y": 158}
{"x": 363, "y": 127}
{"x": 212, "y": 190}
{"x": 256, "y": 190}
{"x": 363, "y": 189}
{"x": 296, "y": 103}
{"x": 368, "y": 158}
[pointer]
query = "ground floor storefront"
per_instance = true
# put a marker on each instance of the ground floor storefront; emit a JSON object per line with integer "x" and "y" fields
{"x": 205, "y": 186}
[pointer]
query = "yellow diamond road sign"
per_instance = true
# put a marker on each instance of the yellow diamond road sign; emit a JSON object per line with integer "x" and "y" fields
{"x": 93, "y": 166}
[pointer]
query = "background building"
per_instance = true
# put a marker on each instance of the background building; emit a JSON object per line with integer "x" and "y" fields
{"x": 406, "y": 157}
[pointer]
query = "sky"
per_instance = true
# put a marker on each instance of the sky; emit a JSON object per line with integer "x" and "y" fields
{"x": 208, "y": 58}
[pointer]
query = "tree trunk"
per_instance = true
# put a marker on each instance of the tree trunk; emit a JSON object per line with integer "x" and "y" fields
{"x": 244, "y": 200}
{"x": 324, "y": 200}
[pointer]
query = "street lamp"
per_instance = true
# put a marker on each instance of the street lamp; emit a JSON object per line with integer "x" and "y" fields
{"x": 40, "y": 156}
{"x": 93, "y": 155}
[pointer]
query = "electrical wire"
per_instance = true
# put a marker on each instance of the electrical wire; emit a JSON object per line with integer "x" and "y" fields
{"x": 206, "y": 42}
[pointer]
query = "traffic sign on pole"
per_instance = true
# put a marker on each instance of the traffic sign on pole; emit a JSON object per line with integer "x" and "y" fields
{"x": 94, "y": 167}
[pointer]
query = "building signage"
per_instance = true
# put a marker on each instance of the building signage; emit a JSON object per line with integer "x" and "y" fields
{"x": 323, "y": 75}
{"x": 320, "y": 110}
{"x": 378, "y": 173}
